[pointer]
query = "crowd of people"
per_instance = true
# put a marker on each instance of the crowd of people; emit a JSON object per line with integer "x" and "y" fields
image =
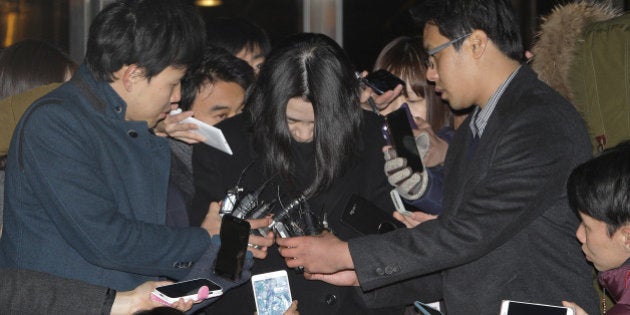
{"x": 109, "y": 192}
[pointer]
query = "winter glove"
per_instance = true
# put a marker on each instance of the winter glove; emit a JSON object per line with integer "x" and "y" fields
{"x": 410, "y": 186}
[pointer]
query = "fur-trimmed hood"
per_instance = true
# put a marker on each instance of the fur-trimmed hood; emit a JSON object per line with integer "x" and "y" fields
{"x": 560, "y": 30}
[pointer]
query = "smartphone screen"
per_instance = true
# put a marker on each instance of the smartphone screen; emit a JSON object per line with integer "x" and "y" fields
{"x": 522, "y": 308}
{"x": 186, "y": 288}
{"x": 382, "y": 81}
{"x": 234, "y": 237}
{"x": 400, "y": 137}
{"x": 272, "y": 292}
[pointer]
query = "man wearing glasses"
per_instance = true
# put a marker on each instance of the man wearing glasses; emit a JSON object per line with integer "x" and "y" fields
{"x": 506, "y": 230}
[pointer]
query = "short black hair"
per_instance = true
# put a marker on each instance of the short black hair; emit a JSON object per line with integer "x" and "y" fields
{"x": 456, "y": 18}
{"x": 152, "y": 34}
{"x": 235, "y": 33}
{"x": 600, "y": 188}
{"x": 217, "y": 65}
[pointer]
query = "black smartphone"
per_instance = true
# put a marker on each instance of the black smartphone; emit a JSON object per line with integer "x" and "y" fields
{"x": 234, "y": 237}
{"x": 399, "y": 135}
{"x": 382, "y": 81}
{"x": 367, "y": 218}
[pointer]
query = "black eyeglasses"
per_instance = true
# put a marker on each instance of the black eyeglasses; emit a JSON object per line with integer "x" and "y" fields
{"x": 428, "y": 61}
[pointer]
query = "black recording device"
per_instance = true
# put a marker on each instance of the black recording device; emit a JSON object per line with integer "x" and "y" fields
{"x": 234, "y": 236}
{"x": 382, "y": 81}
{"x": 399, "y": 135}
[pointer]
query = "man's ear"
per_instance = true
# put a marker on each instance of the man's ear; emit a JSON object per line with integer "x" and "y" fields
{"x": 130, "y": 75}
{"x": 478, "y": 42}
{"x": 625, "y": 234}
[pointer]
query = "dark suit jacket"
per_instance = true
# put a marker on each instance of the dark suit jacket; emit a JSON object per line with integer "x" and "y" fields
{"x": 506, "y": 231}
{"x": 30, "y": 292}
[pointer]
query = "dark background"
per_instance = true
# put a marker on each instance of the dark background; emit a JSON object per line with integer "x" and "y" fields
{"x": 367, "y": 24}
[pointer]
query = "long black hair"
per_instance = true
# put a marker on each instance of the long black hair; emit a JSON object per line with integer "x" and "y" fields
{"x": 315, "y": 68}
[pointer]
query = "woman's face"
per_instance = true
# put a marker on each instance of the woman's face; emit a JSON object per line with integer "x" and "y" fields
{"x": 417, "y": 104}
{"x": 603, "y": 250}
{"x": 300, "y": 119}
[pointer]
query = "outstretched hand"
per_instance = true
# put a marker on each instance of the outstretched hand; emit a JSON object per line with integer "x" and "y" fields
{"x": 324, "y": 253}
{"x": 344, "y": 278}
{"x": 416, "y": 218}
{"x": 258, "y": 244}
{"x": 381, "y": 101}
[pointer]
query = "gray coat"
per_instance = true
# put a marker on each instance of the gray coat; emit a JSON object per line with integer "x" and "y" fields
{"x": 506, "y": 231}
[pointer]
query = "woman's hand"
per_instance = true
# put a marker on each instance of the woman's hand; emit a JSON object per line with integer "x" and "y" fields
{"x": 381, "y": 101}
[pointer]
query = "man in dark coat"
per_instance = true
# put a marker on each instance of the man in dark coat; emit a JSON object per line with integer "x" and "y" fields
{"x": 506, "y": 230}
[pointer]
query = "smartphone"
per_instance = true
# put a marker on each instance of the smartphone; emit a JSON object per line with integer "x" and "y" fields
{"x": 523, "y": 308}
{"x": 399, "y": 135}
{"x": 272, "y": 292}
{"x": 367, "y": 218}
{"x": 398, "y": 203}
{"x": 187, "y": 290}
{"x": 382, "y": 81}
{"x": 234, "y": 236}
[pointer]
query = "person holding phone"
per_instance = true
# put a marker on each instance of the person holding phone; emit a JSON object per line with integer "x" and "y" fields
{"x": 30, "y": 292}
{"x": 506, "y": 229}
{"x": 599, "y": 190}
{"x": 86, "y": 179}
{"x": 434, "y": 124}
{"x": 303, "y": 134}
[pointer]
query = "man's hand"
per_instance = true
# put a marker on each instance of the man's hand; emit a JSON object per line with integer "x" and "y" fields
{"x": 171, "y": 127}
{"x": 324, "y": 253}
{"x": 212, "y": 221}
{"x": 139, "y": 299}
{"x": 344, "y": 278}
{"x": 409, "y": 185}
{"x": 258, "y": 244}
{"x": 416, "y": 217}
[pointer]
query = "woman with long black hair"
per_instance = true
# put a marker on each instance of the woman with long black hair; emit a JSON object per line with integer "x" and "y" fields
{"x": 305, "y": 146}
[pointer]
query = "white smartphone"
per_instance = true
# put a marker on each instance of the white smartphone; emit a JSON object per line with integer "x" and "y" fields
{"x": 398, "y": 203}
{"x": 187, "y": 290}
{"x": 272, "y": 292}
{"x": 523, "y": 308}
